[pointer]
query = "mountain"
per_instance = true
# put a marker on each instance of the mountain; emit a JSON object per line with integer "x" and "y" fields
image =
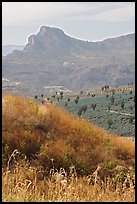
{"x": 52, "y": 58}
{"x": 6, "y": 49}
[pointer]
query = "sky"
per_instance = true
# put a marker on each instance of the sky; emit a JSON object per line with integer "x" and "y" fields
{"x": 90, "y": 21}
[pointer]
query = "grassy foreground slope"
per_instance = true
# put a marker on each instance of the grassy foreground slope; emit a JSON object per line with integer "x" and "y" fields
{"x": 51, "y": 140}
{"x": 44, "y": 133}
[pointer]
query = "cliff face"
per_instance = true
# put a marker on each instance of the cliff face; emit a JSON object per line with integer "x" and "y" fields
{"x": 54, "y": 41}
{"x": 53, "y": 58}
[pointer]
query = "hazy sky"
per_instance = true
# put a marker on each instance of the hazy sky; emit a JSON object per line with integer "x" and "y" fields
{"x": 90, "y": 21}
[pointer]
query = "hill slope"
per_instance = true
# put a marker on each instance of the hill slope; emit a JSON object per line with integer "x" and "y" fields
{"x": 45, "y": 133}
{"x": 53, "y": 58}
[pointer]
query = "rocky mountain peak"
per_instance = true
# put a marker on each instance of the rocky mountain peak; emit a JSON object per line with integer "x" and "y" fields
{"x": 47, "y": 39}
{"x": 50, "y": 30}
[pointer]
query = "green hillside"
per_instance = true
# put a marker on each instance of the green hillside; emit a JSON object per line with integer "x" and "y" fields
{"x": 112, "y": 109}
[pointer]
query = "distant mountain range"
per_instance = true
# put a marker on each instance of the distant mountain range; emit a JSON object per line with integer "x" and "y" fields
{"x": 6, "y": 49}
{"x": 52, "y": 58}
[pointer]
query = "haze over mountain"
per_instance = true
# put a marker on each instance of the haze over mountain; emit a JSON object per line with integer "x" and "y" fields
{"x": 51, "y": 58}
{"x": 6, "y": 49}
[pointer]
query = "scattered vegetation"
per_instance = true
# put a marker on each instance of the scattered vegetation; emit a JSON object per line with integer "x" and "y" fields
{"x": 105, "y": 104}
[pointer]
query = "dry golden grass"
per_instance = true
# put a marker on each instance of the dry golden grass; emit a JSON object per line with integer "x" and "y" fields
{"x": 24, "y": 184}
{"x": 47, "y": 135}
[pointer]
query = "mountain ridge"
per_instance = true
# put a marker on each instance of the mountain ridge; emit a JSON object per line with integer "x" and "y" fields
{"x": 53, "y": 58}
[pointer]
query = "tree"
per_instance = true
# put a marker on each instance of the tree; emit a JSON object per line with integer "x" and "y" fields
{"x": 61, "y": 93}
{"x": 131, "y": 119}
{"x": 53, "y": 96}
{"x": 36, "y": 96}
{"x": 81, "y": 92}
{"x": 113, "y": 91}
{"x": 122, "y": 104}
{"x": 76, "y": 100}
{"x": 88, "y": 94}
{"x": 106, "y": 87}
{"x": 79, "y": 112}
{"x": 112, "y": 100}
{"x": 82, "y": 109}
{"x": 110, "y": 122}
{"x": 109, "y": 107}
{"x": 102, "y": 88}
{"x": 93, "y": 106}
{"x": 131, "y": 107}
{"x": 61, "y": 97}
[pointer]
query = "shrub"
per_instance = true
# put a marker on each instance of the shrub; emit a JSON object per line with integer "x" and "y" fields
{"x": 110, "y": 165}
